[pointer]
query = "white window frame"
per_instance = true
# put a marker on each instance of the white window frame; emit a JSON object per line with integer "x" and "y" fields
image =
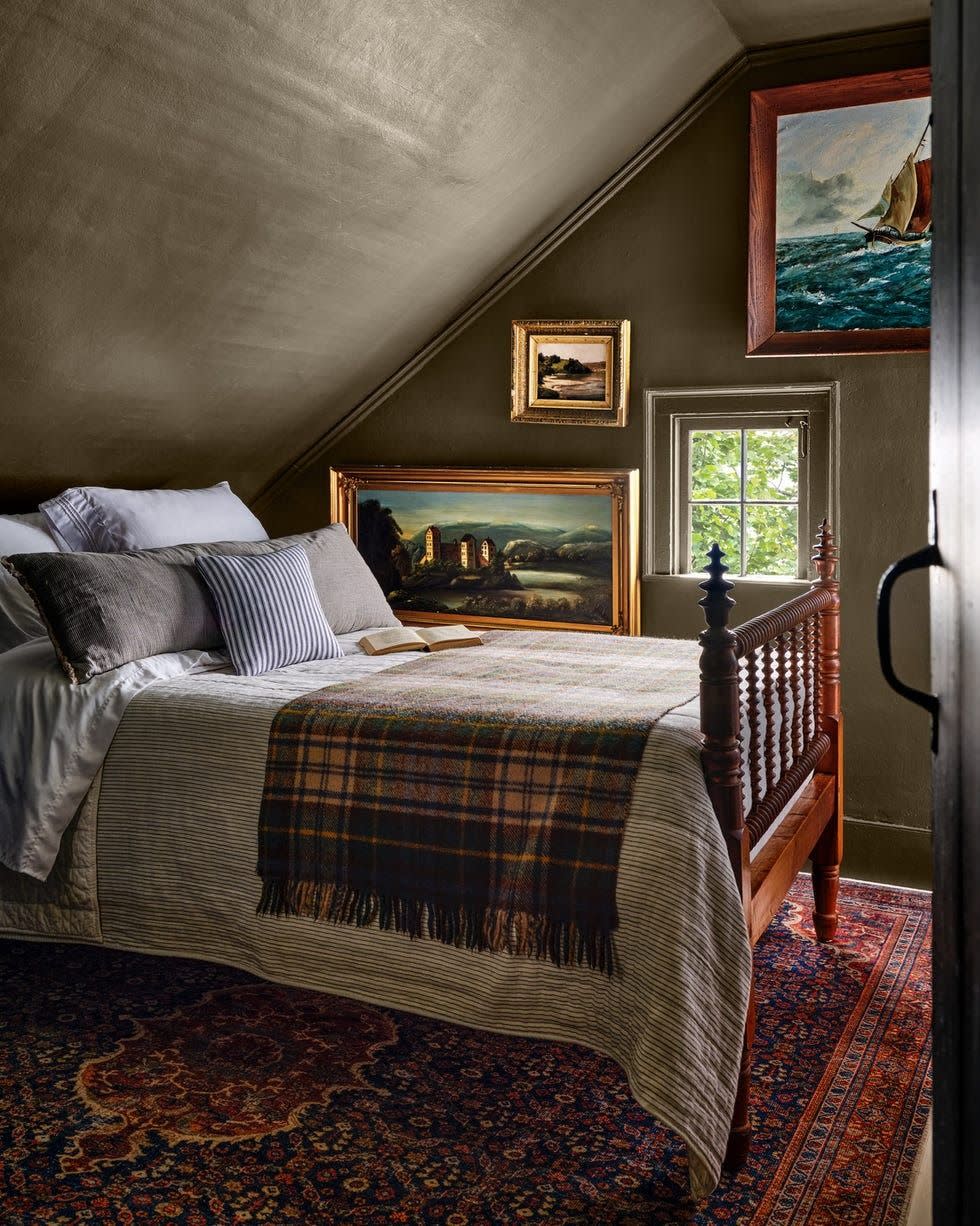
{"x": 670, "y": 414}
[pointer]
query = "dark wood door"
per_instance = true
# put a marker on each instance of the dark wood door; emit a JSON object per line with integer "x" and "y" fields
{"x": 955, "y": 460}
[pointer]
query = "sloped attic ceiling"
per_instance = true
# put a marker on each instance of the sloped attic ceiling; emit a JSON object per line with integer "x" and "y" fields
{"x": 222, "y": 224}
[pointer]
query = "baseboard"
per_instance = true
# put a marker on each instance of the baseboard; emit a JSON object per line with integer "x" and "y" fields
{"x": 891, "y": 855}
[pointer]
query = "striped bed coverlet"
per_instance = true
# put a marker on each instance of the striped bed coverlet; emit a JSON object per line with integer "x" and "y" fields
{"x": 177, "y": 813}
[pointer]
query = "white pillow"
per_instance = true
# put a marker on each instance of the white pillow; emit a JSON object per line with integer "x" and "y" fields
{"x": 25, "y": 534}
{"x": 19, "y": 622}
{"x": 94, "y": 519}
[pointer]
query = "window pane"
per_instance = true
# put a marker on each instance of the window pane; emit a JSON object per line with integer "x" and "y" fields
{"x": 715, "y": 523}
{"x": 772, "y": 466}
{"x": 716, "y": 464}
{"x": 772, "y": 540}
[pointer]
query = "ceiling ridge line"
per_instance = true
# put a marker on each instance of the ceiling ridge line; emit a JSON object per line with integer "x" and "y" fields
{"x": 610, "y": 187}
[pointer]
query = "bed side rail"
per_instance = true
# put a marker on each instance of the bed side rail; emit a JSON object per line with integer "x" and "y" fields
{"x": 770, "y": 697}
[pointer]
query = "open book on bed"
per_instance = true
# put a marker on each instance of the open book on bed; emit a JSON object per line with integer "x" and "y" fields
{"x": 428, "y": 638}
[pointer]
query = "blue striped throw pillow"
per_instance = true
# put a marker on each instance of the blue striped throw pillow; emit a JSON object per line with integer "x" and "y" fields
{"x": 269, "y": 611}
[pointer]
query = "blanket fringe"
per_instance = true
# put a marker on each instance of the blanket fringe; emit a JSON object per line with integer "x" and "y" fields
{"x": 563, "y": 942}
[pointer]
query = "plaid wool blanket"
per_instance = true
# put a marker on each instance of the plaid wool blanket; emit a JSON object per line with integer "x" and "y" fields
{"x": 473, "y": 797}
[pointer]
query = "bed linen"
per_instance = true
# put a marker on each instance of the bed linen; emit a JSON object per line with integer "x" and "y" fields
{"x": 104, "y": 519}
{"x": 173, "y": 872}
{"x": 53, "y": 738}
{"x": 19, "y": 622}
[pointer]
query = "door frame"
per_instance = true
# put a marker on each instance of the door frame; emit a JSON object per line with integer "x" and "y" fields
{"x": 955, "y": 470}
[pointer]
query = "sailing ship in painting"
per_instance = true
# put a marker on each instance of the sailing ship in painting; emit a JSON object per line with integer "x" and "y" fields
{"x": 854, "y": 217}
{"x": 905, "y": 207}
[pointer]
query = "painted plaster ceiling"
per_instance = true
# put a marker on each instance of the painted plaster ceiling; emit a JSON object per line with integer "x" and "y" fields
{"x": 222, "y": 224}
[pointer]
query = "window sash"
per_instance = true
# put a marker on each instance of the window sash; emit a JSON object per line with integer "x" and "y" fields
{"x": 682, "y": 501}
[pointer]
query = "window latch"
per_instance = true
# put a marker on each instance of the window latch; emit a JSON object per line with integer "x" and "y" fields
{"x": 803, "y": 426}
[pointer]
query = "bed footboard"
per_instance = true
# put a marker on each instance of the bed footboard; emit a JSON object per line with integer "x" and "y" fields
{"x": 772, "y": 755}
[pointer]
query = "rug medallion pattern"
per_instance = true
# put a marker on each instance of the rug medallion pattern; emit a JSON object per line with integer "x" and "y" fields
{"x": 241, "y": 1063}
{"x": 136, "y": 1089}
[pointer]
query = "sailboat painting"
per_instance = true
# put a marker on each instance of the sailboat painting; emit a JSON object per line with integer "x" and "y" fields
{"x": 851, "y": 220}
{"x": 840, "y": 262}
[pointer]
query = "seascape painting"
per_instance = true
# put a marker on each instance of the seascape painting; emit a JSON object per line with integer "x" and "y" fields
{"x": 854, "y": 217}
{"x": 514, "y": 556}
{"x": 572, "y": 371}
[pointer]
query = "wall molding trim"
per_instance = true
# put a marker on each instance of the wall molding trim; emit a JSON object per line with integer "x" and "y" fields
{"x": 712, "y": 90}
{"x": 888, "y": 853}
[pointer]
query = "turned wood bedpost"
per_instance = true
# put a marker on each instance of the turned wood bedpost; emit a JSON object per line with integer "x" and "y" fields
{"x": 830, "y": 846}
{"x": 721, "y": 755}
{"x": 722, "y": 761}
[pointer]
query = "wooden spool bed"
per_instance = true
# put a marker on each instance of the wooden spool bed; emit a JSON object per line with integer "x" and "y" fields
{"x": 770, "y": 710}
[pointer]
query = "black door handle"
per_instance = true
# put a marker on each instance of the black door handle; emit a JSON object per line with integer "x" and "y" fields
{"x": 922, "y": 558}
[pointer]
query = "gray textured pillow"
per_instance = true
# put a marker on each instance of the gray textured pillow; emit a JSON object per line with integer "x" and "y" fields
{"x": 351, "y": 597}
{"x": 105, "y": 609}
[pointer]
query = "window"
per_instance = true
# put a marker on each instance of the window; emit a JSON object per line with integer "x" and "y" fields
{"x": 750, "y": 468}
{"x": 741, "y": 487}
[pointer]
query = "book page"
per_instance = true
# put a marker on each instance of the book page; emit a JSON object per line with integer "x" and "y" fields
{"x": 399, "y": 638}
{"x": 449, "y": 634}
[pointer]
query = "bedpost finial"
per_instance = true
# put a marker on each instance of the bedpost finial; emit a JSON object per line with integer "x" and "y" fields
{"x": 716, "y": 602}
{"x": 825, "y": 556}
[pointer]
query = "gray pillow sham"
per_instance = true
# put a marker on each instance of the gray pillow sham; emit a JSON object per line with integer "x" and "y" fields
{"x": 105, "y": 609}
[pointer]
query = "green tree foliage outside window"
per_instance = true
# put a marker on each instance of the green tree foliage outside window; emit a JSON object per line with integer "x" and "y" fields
{"x": 743, "y": 493}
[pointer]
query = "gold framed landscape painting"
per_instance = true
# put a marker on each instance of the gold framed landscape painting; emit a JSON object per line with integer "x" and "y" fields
{"x": 571, "y": 372}
{"x": 521, "y": 548}
{"x": 840, "y": 215}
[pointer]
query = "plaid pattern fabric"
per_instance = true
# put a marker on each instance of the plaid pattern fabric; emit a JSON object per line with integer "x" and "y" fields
{"x": 478, "y": 803}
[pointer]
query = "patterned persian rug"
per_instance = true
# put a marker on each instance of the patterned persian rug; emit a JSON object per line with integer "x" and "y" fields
{"x": 136, "y": 1089}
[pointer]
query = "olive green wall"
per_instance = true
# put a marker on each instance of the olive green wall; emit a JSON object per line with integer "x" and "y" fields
{"x": 669, "y": 253}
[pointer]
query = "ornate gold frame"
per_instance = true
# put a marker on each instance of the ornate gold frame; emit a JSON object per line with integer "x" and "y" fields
{"x": 526, "y": 407}
{"x": 621, "y": 485}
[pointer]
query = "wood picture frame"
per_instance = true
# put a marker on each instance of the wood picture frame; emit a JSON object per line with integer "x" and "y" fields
{"x": 570, "y": 372}
{"x": 812, "y": 281}
{"x": 452, "y": 545}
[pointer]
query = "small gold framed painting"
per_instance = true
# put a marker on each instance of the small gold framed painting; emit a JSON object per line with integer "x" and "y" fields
{"x": 570, "y": 372}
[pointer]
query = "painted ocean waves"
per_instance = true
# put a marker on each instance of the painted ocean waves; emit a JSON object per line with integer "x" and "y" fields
{"x": 840, "y": 197}
{"x": 830, "y": 282}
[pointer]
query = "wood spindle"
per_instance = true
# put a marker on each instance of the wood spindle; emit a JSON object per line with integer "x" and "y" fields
{"x": 818, "y": 698}
{"x": 795, "y": 646}
{"x": 785, "y": 708}
{"x": 769, "y": 706}
{"x": 755, "y": 748}
{"x": 811, "y": 680}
